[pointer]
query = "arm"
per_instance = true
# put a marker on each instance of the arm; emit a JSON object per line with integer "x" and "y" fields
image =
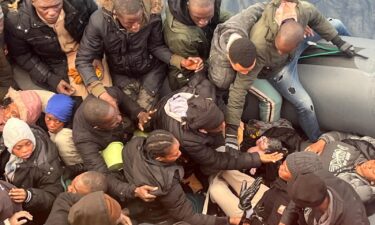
{"x": 120, "y": 189}
{"x": 91, "y": 157}
{"x": 61, "y": 207}
{"x": 290, "y": 214}
{"x": 320, "y": 24}
{"x": 125, "y": 103}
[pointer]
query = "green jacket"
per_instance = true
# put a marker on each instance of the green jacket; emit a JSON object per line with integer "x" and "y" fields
{"x": 269, "y": 61}
{"x": 188, "y": 40}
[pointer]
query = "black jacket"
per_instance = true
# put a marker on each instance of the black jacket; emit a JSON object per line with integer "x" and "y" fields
{"x": 60, "y": 210}
{"x": 40, "y": 174}
{"x": 200, "y": 148}
{"x": 127, "y": 54}
{"x": 34, "y": 45}
{"x": 171, "y": 202}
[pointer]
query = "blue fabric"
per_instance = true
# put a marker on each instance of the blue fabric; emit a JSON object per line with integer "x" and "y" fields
{"x": 288, "y": 84}
{"x": 61, "y": 107}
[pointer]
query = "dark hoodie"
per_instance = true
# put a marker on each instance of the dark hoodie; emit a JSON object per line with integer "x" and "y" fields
{"x": 7, "y": 206}
{"x": 171, "y": 201}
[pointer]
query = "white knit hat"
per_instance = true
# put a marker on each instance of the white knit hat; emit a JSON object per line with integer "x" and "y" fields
{"x": 16, "y": 130}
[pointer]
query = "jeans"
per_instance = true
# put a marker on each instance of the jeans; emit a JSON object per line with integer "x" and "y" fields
{"x": 289, "y": 86}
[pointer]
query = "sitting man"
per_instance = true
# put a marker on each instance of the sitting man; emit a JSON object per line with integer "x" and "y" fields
{"x": 41, "y": 35}
{"x": 96, "y": 124}
{"x": 153, "y": 160}
{"x": 326, "y": 204}
{"x": 130, "y": 34}
{"x": 351, "y": 158}
{"x": 197, "y": 123}
{"x": 188, "y": 31}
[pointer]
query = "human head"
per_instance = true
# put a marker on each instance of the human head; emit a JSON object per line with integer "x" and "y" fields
{"x": 204, "y": 115}
{"x": 95, "y": 208}
{"x": 242, "y": 55}
{"x": 201, "y": 11}
{"x": 129, "y": 13}
{"x": 299, "y": 163}
{"x": 268, "y": 144}
{"x": 289, "y": 36}
{"x": 59, "y": 110}
{"x": 308, "y": 190}
{"x": 25, "y": 105}
{"x": 18, "y": 138}
{"x": 367, "y": 170}
{"x": 162, "y": 146}
{"x": 100, "y": 114}
{"x": 48, "y": 10}
{"x": 88, "y": 182}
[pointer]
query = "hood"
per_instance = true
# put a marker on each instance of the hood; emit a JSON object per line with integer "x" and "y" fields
{"x": 179, "y": 10}
{"x": 140, "y": 169}
{"x": 177, "y": 106}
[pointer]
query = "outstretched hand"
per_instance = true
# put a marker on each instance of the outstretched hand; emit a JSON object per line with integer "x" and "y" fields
{"x": 64, "y": 88}
{"x": 192, "y": 63}
{"x": 270, "y": 158}
{"x": 316, "y": 147}
{"x": 144, "y": 117}
{"x": 143, "y": 192}
{"x": 16, "y": 218}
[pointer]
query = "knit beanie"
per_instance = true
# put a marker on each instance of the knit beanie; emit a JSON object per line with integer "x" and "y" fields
{"x": 16, "y": 130}
{"x": 303, "y": 162}
{"x": 28, "y": 103}
{"x": 307, "y": 190}
{"x": 203, "y": 113}
{"x": 61, "y": 107}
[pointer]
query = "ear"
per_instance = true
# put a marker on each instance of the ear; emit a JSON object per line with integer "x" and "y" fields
{"x": 203, "y": 131}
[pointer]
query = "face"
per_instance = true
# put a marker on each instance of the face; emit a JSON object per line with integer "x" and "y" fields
{"x": 173, "y": 154}
{"x": 284, "y": 172}
{"x": 201, "y": 16}
{"x": 132, "y": 23}
{"x": 78, "y": 187}
{"x": 262, "y": 143}
{"x": 53, "y": 124}
{"x": 23, "y": 149}
{"x": 49, "y": 10}
{"x": 242, "y": 70}
{"x": 112, "y": 120}
{"x": 11, "y": 111}
{"x": 368, "y": 170}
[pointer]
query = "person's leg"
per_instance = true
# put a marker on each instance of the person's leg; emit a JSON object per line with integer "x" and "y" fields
{"x": 270, "y": 100}
{"x": 340, "y": 27}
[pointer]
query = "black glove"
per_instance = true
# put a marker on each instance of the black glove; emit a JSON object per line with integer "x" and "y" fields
{"x": 248, "y": 193}
{"x": 344, "y": 46}
{"x": 231, "y": 142}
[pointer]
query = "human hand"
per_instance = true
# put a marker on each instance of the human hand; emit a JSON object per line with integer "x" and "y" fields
{"x": 108, "y": 98}
{"x": 143, "y": 193}
{"x": 15, "y": 219}
{"x": 144, "y": 117}
{"x": 234, "y": 220}
{"x": 124, "y": 220}
{"x": 268, "y": 158}
{"x": 64, "y": 88}
{"x": 348, "y": 49}
{"x": 18, "y": 195}
{"x": 316, "y": 147}
{"x": 308, "y": 32}
{"x": 192, "y": 63}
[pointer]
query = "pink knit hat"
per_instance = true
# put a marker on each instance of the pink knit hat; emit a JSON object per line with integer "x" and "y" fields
{"x": 29, "y": 104}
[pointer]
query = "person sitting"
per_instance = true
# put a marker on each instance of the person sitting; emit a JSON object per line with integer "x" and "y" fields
{"x": 42, "y": 36}
{"x": 96, "y": 124}
{"x": 153, "y": 160}
{"x": 188, "y": 31}
{"x": 327, "y": 204}
{"x": 59, "y": 112}
{"x": 351, "y": 158}
{"x": 197, "y": 123}
{"x": 33, "y": 166}
{"x": 130, "y": 33}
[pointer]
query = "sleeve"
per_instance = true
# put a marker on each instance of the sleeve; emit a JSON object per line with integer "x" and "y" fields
{"x": 120, "y": 189}
{"x": 181, "y": 209}
{"x": 60, "y": 209}
{"x": 21, "y": 51}
{"x": 90, "y": 48}
{"x": 91, "y": 157}
{"x": 156, "y": 43}
{"x": 333, "y": 136}
{"x": 125, "y": 103}
{"x": 290, "y": 214}
{"x": 320, "y": 24}
{"x": 224, "y": 16}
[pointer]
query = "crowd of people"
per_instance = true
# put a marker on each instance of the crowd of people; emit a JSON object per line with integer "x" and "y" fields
{"x": 109, "y": 107}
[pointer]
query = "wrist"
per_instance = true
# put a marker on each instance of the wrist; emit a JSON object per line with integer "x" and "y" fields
{"x": 338, "y": 41}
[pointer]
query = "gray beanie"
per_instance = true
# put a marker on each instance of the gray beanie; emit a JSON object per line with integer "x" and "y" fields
{"x": 16, "y": 130}
{"x": 303, "y": 162}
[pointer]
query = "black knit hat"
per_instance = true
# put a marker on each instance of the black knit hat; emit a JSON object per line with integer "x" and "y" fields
{"x": 303, "y": 162}
{"x": 203, "y": 113}
{"x": 307, "y": 190}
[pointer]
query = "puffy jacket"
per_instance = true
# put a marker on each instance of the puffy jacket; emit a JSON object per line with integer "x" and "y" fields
{"x": 40, "y": 174}
{"x": 128, "y": 54}
{"x": 35, "y": 46}
{"x": 171, "y": 201}
{"x": 269, "y": 61}
{"x": 200, "y": 148}
{"x": 186, "y": 39}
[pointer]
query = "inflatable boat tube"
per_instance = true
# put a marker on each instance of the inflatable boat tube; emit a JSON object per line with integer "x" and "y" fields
{"x": 342, "y": 89}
